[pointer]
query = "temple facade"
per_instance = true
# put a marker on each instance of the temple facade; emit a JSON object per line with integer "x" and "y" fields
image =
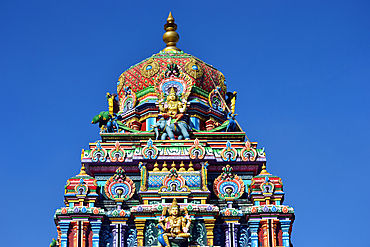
{"x": 173, "y": 166}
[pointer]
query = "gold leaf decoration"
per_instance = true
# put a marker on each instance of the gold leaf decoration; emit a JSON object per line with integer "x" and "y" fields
{"x": 150, "y": 68}
{"x": 193, "y": 68}
{"x": 120, "y": 83}
{"x": 221, "y": 81}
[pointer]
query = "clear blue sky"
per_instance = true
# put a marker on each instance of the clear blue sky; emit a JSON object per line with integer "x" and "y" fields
{"x": 301, "y": 69}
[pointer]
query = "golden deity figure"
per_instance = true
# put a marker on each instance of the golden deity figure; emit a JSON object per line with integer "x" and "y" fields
{"x": 174, "y": 225}
{"x": 173, "y": 108}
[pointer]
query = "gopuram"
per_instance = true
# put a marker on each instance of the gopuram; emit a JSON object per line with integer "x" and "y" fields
{"x": 173, "y": 166}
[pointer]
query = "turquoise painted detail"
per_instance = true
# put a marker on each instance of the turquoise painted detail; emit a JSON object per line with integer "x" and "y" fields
{"x": 64, "y": 226}
{"x": 285, "y": 225}
{"x": 95, "y": 227}
{"x": 253, "y": 227}
{"x": 194, "y": 123}
{"x": 150, "y": 121}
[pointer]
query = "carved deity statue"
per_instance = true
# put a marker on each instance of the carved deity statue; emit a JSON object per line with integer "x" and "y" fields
{"x": 174, "y": 226}
{"x": 173, "y": 107}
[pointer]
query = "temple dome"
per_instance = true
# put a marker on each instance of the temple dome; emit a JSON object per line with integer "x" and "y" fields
{"x": 197, "y": 84}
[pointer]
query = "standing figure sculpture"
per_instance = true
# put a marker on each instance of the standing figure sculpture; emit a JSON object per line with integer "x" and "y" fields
{"x": 174, "y": 226}
{"x": 173, "y": 108}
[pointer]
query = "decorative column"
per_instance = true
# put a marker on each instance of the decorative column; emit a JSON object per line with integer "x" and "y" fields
{"x": 115, "y": 234}
{"x": 140, "y": 225}
{"x": 123, "y": 232}
{"x": 274, "y": 224}
{"x": 231, "y": 233}
{"x": 265, "y": 232}
{"x": 59, "y": 233}
{"x": 95, "y": 227}
{"x": 64, "y": 226}
{"x": 236, "y": 231}
{"x": 253, "y": 226}
{"x": 75, "y": 232}
{"x": 285, "y": 226}
{"x": 226, "y": 228}
{"x": 119, "y": 231}
{"x": 85, "y": 227}
{"x": 210, "y": 224}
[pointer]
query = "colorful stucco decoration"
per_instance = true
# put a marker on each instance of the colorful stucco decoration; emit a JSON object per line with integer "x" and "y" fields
{"x": 119, "y": 187}
{"x": 197, "y": 151}
{"x": 248, "y": 153}
{"x": 228, "y": 186}
{"x": 117, "y": 154}
{"x": 172, "y": 167}
{"x": 229, "y": 153}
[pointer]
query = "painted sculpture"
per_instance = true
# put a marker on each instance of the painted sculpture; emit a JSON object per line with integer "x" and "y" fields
{"x": 174, "y": 227}
{"x": 172, "y": 166}
{"x": 170, "y": 128}
{"x": 172, "y": 108}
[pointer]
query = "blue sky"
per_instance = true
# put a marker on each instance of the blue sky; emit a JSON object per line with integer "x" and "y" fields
{"x": 301, "y": 69}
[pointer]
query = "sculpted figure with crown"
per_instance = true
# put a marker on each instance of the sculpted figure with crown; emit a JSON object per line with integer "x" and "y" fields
{"x": 174, "y": 226}
{"x": 173, "y": 107}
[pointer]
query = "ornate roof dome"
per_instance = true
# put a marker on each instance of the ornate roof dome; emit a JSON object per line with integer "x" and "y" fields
{"x": 148, "y": 72}
{"x": 198, "y": 90}
{"x": 153, "y": 77}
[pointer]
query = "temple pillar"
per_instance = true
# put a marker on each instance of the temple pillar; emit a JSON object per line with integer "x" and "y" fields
{"x": 115, "y": 233}
{"x": 85, "y": 227}
{"x": 253, "y": 227}
{"x": 226, "y": 228}
{"x": 59, "y": 234}
{"x": 95, "y": 227}
{"x": 274, "y": 224}
{"x": 122, "y": 234}
{"x": 285, "y": 226}
{"x": 119, "y": 231}
{"x": 140, "y": 225}
{"x": 210, "y": 224}
{"x": 265, "y": 233}
{"x": 64, "y": 227}
{"x": 75, "y": 233}
{"x": 231, "y": 233}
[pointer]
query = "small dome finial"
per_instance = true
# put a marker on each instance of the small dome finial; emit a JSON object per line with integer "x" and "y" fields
{"x": 264, "y": 171}
{"x": 82, "y": 171}
{"x": 170, "y": 37}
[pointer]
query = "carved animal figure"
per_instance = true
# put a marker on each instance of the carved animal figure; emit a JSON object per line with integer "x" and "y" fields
{"x": 179, "y": 129}
{"x": 107, "y": 122}
{"x": 231, "y": 126}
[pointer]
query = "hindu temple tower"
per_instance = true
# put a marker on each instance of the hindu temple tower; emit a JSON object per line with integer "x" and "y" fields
{"x": 173, "y": 167}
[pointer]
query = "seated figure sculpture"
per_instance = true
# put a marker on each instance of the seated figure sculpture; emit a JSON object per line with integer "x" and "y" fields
{"x": 174, "y": 108}
{"x": 173, "y": 226}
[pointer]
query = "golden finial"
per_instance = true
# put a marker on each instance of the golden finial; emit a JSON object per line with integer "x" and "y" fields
{"x": 164, "y": 167}
{"x": 173, "y": 165}
{"x": 182, "y": 165}
{"x": 156, "y": 167}
{"x": 264, "y": 171}
{"x": 190, "y": 167}
{"x": 82, "y": 171}
{"x": 170, "y": 37}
